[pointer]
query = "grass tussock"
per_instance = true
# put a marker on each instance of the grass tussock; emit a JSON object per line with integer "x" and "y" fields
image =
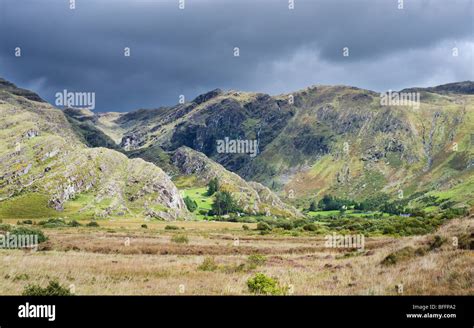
{"x": 54, "y": 288}
{"x": 180, "y": 239}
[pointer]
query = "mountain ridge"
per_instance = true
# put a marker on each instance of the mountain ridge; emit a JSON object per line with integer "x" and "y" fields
{"x": 335, "y": 140}
{"x": 303, "y": 139}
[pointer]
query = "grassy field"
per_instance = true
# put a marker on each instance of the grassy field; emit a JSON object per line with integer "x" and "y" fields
{"x": 346, "y": 213}
{"x": 123, "y": 257}
{"x": 29, "y": 206}
{"x": 199, "y": 195}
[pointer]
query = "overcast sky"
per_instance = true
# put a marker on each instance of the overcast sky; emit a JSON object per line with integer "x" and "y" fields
{"x": 191, "y": 51}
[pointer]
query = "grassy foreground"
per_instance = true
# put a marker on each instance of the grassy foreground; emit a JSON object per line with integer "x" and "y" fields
{"x": 136, "y": 257}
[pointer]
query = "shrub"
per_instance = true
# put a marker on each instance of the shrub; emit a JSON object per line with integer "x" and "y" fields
{"x": 263, "y": 226}
{"x": 171, "y": 227}
{"x": 20, "y": 231}
{"x": 310, "y": 227}
{"x": 53, "y": 223}
{"x": 300, "y": 222}
{"x": 92, "y": 224}
{"x": 452, "y": 213}
{"x": 286, "y": 225}
{"x": 5, "y": 227}
{"x": 53, "y": 289}
{"x": 466, "y": 241}
{"x": 74, "y": 223}
{"x": 24, "y": 222}
{"x": 208, "y": 264}
{"x": 263, "y": 285}
{"x": 437, "y": 242}
{"x": 234, "y": 268}
{"x": 190, "y": 204}
{"x": 245, "y": 227}
{"x": 58, "y": 223}
{"x": 417, "y": 213}
{"x": 180, "y": 239}
{"x": 420, "y": 251}
{"x": 255, "y": 260}
{"x": 448, "y": 204}
{"x": 402, "y": 255}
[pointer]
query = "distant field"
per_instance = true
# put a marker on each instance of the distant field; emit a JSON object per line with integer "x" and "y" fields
{"x": 323, "y": 213}
{"x": 348, "y": 212}
{"x": 199, "y": 195}
{"x": 203, "y": 201}
{"x": 27, "y": 207}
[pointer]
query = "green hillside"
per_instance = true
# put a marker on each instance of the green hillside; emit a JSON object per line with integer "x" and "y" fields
{"x": 335, "y": 140}
{"x": 47, "y": 171}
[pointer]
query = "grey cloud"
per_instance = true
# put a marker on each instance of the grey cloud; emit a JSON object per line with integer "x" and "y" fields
{"x": 190, "y": 51}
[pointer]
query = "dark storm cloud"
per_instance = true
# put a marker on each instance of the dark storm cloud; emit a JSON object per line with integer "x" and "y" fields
{"x": 190, "y": 51}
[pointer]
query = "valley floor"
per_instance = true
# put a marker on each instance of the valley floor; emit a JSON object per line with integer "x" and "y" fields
{"x": 122, "y": 258}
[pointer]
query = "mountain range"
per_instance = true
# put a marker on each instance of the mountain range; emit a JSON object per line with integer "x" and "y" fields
{"x": 336, "y": 140}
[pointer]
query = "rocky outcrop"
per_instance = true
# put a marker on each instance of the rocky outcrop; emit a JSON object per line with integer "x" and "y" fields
{"x": 41, "y": 154}
{"x": 253, "y": 197}
{"x": 207, "y": 96}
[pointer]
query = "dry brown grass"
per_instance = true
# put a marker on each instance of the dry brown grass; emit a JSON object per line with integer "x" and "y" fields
{"x": 99, "y": 261}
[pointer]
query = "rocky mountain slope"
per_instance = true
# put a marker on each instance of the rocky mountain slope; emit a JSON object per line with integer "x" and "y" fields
{"x": 46, "y": 170}
{"x": 323, "y": 139}
{"x": 252, "y": 197}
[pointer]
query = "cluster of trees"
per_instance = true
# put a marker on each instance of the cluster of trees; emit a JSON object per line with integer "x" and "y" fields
{"x": 373, "y": 203}
{"x": 223, "y": 201}
{"x": 330, "y": 203}
{"x": 223, "y": 204}
{"x": 380, "y": 202}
